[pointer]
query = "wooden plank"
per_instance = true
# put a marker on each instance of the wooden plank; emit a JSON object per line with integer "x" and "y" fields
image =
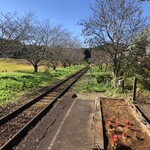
{"x": 98, "y": 127}
{"x": 137, "y": 114}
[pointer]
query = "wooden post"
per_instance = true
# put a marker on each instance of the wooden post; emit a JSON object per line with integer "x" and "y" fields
{"x": 122, "y": 86}
{"x": 134, "y": 89}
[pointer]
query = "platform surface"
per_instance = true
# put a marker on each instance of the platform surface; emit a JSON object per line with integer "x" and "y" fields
{"x": 67, "y": 127}
{"x": 73, "y": 132}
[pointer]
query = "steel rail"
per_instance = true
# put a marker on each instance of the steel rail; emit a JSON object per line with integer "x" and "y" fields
{"x": 21, "y": 133}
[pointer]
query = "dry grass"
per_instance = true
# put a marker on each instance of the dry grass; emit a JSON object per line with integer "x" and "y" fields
{"x": 12, "y": 65}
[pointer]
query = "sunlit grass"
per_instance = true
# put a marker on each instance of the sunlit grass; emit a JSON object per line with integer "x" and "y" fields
{"x": 17, "y": 77}
{"x": 90, "y": 84}
{"x": 12, "y": 65}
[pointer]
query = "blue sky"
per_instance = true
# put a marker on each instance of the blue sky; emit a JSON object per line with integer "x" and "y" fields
{"x": 66, "y": 12}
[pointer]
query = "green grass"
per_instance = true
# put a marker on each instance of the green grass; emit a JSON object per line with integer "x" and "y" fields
{"x": 14, "y": 84}
{"x": 96, "y": 72}
{"x": 99, "y": 81}
{"x": 90, "y": 84}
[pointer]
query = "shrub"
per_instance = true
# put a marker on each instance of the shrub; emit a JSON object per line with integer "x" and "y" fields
{"x": 104, "y": 78}
{"x": 145, "y": 83}
{"x": 128, "y": 84}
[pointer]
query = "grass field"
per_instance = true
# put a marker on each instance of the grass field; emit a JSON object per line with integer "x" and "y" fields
{"x": 11, "y": 65}
{"x": 17, "y": 77}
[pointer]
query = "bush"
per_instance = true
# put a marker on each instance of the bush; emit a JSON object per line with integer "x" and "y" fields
{"x": 103, "y": 78}
{"x": 145, "y": 83}
{"x": 142, "y": 83}
{"x": 128, "y": 84}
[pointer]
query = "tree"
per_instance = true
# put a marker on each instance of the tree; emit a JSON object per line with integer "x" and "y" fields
{"x": 66, "y": 45}
{"x": 13, "y": 30}
{"x": 34, "y": 54}
{"x": 143, "y": 0}
{"x": 72, "y": 52}
{"x": 50, "y": 43}
{"x": 112, "y": 25}
{"x": 137, "y": 60}
{"x": 36, "y": 47}
{"x": 101, "y": 59}
{"x": 53, "y": 58}
{"x": 77, "y": 56}
{"x": 56, "y": 49}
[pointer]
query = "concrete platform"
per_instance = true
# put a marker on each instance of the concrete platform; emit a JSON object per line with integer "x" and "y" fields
{"x": 73, "y": 132}
{"x": 69, "y": 126}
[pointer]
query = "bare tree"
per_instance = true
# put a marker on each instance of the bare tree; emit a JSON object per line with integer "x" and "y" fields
{"x": 143, "y": 0}
{"x": 69, "y": 47}
{"x": 13, "y": 30}
{"x": 62, "y": 49}
{"x": 73, "y": 50}
{"x": 53, "y": 58}
{"x": 45, "y": 42}
{"x": 101, "y": 58}
{"x": 36, "y": 47}
{"x": 34, "y": 54}
{"x": 56, "y": 48}
{"x": 78, "y": 56}
{"x": 112, "y": 25}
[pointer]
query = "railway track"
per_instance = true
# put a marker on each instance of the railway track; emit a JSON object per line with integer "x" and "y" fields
{"x": 16, "y": 125}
